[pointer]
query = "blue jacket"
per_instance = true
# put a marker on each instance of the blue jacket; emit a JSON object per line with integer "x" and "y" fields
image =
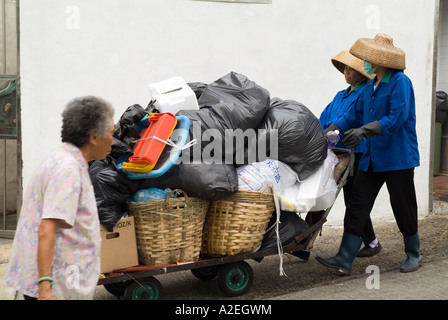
{"x": 336, "y": 109}
{"x": 392, "y": 103}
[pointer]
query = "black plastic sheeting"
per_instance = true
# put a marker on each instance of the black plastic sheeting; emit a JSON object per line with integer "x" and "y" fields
{"x": 291, "y": 225}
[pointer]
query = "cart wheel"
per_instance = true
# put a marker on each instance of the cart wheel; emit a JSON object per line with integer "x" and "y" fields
{"x": 143, "y": 289}
{"x": 235, "y": 279}
{"x": 206, "y": 273}
{"x": 117, "y": 288}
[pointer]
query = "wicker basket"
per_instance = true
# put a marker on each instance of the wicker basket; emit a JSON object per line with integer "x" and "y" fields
{"x": 237, "y": 223}
{"x": 169, "y": 231}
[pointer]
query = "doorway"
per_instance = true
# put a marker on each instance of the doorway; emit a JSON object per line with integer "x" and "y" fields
{"x": 10, "y": 189}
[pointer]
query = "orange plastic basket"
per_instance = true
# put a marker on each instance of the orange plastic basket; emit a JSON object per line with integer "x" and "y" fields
{"x": 148, "y": 150}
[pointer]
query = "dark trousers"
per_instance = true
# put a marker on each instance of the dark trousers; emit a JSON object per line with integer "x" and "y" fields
{"x": 400, "y": 185}
{"x": 368, "y": 234}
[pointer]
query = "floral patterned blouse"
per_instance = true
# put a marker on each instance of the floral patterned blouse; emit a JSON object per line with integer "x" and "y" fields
{"x": 59, "y": 189}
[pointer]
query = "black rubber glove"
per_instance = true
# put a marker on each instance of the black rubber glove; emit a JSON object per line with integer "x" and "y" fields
{"x": 332, "y": 127}
{"x": 354, "y": 136}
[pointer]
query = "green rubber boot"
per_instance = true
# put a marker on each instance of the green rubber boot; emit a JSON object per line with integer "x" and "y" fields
{"x": 412, "y": 249}
{"x": 348, "y": 250}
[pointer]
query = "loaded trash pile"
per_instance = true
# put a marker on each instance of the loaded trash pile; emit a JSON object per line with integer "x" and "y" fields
{"x": 208, "y": 169}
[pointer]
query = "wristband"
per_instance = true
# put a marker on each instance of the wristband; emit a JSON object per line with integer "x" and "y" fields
{"x": 45, "y": 278}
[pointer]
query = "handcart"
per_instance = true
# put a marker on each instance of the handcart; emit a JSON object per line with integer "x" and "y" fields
{"x": 235, "y": 276}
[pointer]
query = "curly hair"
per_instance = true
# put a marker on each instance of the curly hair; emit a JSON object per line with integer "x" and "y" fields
{"x": 85, "y": 115}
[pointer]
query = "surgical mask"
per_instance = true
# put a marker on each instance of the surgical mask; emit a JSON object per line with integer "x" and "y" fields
{"x": 368, "y": 68}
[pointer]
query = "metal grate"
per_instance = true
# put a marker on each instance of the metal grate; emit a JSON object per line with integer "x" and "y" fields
{"x": 9, "y": 117}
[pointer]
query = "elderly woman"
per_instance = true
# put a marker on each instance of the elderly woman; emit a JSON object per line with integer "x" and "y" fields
{"x": 357, "y": 78}
{"x": 56, "y": 249}
{"x": 385, "y": 115}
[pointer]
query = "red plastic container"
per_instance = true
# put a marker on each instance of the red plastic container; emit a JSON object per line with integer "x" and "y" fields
{"x": 147, "y": 150}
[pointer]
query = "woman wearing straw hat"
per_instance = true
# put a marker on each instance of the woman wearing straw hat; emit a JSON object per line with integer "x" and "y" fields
{"x": 356, "y": 77}
{"x": 385, "y": 114}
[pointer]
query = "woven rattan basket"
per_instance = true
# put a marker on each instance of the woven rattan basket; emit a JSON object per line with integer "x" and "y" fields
{"x": 169, "y": 231}
{"x": 237, "y": 224}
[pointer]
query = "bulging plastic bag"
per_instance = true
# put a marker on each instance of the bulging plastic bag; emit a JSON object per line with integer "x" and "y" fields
{"x": 441, "y": 107}
{"x": 301, "y": 142}
{"x": 317, "y": 192}
{"x": 259, "y": 176}
{"x": 126, "y": 134}
{"x": 112, "y": 189}
{"x": 291, "y": 225}
{"x": 229, "y": 103}
{"x": 205, "y": 181}
{"x": 145, "y": 195}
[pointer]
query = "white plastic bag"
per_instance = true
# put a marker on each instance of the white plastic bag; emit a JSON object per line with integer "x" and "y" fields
{"x": 259, "y": 176}
{"x": 317, "y": 192}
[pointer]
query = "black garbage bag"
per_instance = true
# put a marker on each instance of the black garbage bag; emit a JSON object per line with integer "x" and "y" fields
{"x": 205, "y": 181}
{"x": 301, "y": 141}
{"x": 291, "y": 226}
{"x": 112, "y": 189}
{"x": 198, "y": 88}
{"x": 125, "y": 133}
{"x": 441, "y": 107}
{"x": 231, "y": 102}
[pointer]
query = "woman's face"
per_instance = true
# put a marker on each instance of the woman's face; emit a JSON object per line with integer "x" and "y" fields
{"x": 104, "y": 144}
{"x": 352, "y": 76}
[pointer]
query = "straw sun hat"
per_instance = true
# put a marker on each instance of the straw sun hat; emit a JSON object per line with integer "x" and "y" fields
{"x": 345, "y": 58}
{"x": 380, "y": 51}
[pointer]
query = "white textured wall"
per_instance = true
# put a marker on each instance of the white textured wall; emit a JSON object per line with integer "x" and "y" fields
{"x": 114, "y": 48}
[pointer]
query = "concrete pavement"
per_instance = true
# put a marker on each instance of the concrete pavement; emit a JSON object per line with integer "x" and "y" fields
{"x": 6, "y": 293}
{"x": 429, "y": 282}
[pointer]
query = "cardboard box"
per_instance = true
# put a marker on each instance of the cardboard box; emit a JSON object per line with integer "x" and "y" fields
{"x": 119, "y": 248}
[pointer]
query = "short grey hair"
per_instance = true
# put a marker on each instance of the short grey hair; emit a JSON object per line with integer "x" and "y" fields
{"x": 85, "y": 115}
